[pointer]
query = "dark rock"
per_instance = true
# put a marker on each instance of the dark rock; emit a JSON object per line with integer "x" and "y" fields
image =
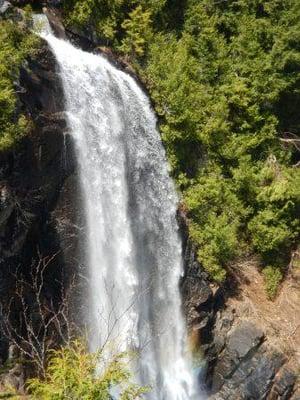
{"x": 37, "y": 178}
{"x": 52, "y": 3}
{"x": 243, "y": 339}
{"x": 240, "y": 362}
{"x": 196, "y": 292}
{"x": 238, "y": 346}
{"x": 8, "y": 12}
{"x": 6, "y": 205}
{"x": 259, "y": 382}
{"x": 55, "y": 22}
{"x": 243, "y": 365}
{"x": 283, "y": 384}
{"x": 40, "y": 208}
{"x": 30, "y": 172}
{"x": 41, "y": 89}
{"x": 66, "y": 220}
{"x": 252, "y": 378}
{"x": 222, "y": 324}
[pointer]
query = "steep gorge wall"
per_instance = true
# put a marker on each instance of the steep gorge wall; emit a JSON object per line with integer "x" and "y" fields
{"x": 39, "y": 200}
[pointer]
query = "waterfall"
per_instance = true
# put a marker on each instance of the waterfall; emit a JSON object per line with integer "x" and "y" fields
{"x": 133, "y": 246}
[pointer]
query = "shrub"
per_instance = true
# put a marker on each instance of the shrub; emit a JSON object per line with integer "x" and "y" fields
{"x": 74, "y": 373}
{"x": 137, "y": 32}
{"x": 216, "y": 215}
{"x": 217, "y": 244}
{"x": 273, "y": 277}
{"x": 269, "y": 232}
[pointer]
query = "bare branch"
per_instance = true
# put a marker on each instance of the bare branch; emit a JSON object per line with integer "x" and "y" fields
{"x": 41, "y": 325}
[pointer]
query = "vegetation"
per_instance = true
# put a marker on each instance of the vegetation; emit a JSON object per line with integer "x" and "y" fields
{"x": 273, "y": 277}
{"x": 73, "y": 373}
{"x": 43, "y": 337}
{"x": 76, "y": 374}
{"x": 224, "y": 77}
{"x": 16, "y": 43}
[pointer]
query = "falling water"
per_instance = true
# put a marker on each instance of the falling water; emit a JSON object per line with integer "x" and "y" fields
{"x": 133, "y": 247}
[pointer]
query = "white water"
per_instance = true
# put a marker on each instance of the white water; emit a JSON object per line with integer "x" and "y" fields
{"x": 134, "y": 250}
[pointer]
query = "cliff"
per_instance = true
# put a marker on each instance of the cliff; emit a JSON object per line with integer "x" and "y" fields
{"x": 250, "y": 344}
{"x": 39, "y": 206}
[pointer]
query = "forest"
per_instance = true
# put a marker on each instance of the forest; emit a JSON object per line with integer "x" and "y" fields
{"x": 224, "y": 78}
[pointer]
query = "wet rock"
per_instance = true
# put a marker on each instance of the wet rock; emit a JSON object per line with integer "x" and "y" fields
{"x": 55, "y": 22}
{"x": 30, "y": 171}
{"x": 197, "y": 295}
{"x": 40, "y": 87}
{"x": 196, "y": 292}
{"x": 6, "y": 205}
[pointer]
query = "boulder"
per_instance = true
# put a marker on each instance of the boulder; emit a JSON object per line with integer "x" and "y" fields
{"x": 4, "y": 7}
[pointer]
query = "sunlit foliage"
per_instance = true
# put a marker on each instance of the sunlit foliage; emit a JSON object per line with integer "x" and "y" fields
{"x": 16, "y": 43}
{"x": 74, "y": 373}
{"x": 224, "y": 77}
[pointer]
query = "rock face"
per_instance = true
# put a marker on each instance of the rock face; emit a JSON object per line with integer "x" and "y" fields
{"x": 242, "y": 362}
{"x": 39, "y": 196}
{"x": 248, "y": 368}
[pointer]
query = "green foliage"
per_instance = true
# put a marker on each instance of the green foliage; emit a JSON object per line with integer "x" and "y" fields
{"x": 273, "y": 277}
{"x": 16, "y": 43}
{"x": 124, "y": 23}
{"x": 216, "y": 215}
{"x": 74, "y": 373}
{"x": 137, "y": 32}
{"x": 224, "y": 77}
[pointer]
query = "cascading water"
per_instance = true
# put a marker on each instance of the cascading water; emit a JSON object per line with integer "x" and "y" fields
{"x": 133, "y": 246}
